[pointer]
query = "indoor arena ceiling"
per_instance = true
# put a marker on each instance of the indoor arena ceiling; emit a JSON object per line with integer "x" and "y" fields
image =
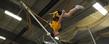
{"x": 74, "y": 29}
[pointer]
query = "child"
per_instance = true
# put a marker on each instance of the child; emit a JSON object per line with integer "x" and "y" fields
{"x": 57, "y": 16}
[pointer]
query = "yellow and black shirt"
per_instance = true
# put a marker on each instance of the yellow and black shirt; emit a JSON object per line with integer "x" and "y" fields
{"x": 55, "y": 24}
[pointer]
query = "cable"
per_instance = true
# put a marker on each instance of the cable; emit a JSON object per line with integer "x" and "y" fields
{"x": 20, "y": 11}
{"x": 29, "y": 22}
{"x": 36, "y": 14}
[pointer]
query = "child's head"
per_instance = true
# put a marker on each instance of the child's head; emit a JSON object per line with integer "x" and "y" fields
{"x": 55, "y": 18}
{"x": 59, "y": 12}
{"x": 56, "y": 13}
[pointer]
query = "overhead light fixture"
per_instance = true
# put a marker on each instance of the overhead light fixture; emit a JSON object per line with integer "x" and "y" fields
{"x": 100, "y": 8}
{"x": 2, "y": 37}
{"x": 12, "y": 15}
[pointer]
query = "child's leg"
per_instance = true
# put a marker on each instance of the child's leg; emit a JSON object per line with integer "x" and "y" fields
{"x": 72, "y": 11}
{"x": 55, "y": 33}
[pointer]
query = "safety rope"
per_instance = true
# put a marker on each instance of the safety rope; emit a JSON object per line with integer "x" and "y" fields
{"x": 29, "y": 23}
{"x": 36, "y": 14}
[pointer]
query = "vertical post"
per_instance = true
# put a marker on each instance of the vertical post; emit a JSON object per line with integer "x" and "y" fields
{"x": 93, "y": 39}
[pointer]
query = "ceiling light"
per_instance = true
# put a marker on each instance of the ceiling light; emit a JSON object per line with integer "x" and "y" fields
{"x": 3, "y": 38}
{"x": 100, "y": 8}
{"x": 12, "y": 15}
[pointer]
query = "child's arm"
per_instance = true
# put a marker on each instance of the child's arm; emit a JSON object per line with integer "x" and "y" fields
{"x": 61, "y": 16}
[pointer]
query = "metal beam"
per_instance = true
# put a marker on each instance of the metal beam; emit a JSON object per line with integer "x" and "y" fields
{"x": 8, "y": 5}
{"x": 49, "y": 6}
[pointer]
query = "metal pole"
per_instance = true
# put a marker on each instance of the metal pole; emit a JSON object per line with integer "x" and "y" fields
{"x": 30, "y": 11}
{"x": 92, "y": 36}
